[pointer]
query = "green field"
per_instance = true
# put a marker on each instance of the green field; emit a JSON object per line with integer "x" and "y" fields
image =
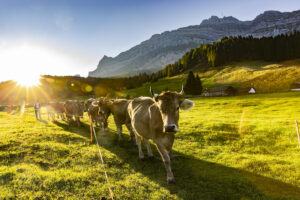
{"x": 265, "y": 77}
{"x": 216, "y": 155}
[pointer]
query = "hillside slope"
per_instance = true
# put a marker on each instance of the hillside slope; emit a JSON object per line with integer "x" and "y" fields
{"x": 265, "y": 77}
{"x": 167, "y": 47}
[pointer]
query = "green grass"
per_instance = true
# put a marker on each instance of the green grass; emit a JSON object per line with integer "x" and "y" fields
{"x": 216, "y": 156}
{"x": 266, "y": 77}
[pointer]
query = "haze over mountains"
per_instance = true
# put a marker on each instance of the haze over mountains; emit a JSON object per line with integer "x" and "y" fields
{"x": 167, "y": 47}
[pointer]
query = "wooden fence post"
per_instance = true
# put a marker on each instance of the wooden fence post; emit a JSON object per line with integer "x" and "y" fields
{"x": 297, "y": 128}
{"x": 241, "y": 121}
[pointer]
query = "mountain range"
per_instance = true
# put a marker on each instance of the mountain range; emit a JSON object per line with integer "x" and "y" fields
{"x": 166, "y": 48}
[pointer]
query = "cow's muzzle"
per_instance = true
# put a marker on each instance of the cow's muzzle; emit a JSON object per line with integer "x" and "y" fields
{"x": 171, "y": 128}
{"x": 101, "y": 112}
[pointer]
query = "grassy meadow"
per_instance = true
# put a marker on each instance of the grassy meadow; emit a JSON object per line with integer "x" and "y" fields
{"x": 265, "y": 77}
{"x": 242, "y": 147}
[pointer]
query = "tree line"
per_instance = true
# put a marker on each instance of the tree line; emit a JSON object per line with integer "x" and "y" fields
{"x": 232, "y": 49}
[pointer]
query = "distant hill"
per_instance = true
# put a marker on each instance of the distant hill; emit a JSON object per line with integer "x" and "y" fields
{"x": 167, "y": 47}
{"x": 264, "y": 76}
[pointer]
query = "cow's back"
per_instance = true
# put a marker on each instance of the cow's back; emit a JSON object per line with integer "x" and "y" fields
{"x": 140, "y": 114}
{"x": 68, "y": 107}
{"x": 119, "y": 110}
{"x": 58, "y": 107}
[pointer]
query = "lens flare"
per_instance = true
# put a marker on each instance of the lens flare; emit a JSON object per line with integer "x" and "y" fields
{"x": 28, "y": 81}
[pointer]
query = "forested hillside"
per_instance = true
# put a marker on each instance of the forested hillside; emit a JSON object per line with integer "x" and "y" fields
{"x": 230, "y": 49}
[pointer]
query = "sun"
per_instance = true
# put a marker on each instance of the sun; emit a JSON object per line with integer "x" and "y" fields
{"x": 28, "y": 81}
{"x": 26, "y": 63}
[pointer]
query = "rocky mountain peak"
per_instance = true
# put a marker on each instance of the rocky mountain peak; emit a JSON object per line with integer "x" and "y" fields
{"x": 165, "y": 48}
{"x": 214, "y": 20}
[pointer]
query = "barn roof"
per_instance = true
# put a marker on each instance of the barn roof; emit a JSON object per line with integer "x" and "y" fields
{"x": 221, "y": 88}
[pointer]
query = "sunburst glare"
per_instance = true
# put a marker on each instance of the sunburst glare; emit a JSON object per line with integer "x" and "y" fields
{"x": 29, "y": 81}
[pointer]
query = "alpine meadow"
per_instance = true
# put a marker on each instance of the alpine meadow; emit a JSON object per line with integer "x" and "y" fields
{"x": 208, "y": 111}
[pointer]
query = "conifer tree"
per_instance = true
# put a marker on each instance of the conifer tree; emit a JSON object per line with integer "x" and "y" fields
{"x": 193, "y": 84}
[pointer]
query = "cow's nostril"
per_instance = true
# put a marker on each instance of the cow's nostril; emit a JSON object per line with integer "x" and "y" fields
{"x": 170, "y": 128}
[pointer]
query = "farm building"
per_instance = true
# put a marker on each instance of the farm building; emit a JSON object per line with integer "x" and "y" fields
{"x": 295, "y": 87}
{"x": 219, "y": 91}
{"x": 252, "y": 91}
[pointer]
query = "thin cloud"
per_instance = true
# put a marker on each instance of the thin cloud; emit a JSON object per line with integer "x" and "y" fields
{"x": 63, "y": 21}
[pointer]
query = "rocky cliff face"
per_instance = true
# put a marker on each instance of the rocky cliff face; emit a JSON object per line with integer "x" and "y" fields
{"x": 167, "y": 47}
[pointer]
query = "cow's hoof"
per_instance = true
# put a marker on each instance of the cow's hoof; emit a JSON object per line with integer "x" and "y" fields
{"x": 142, "y": 159}
{"x": 171, "y": 181}
{"x": 151, "y": 157}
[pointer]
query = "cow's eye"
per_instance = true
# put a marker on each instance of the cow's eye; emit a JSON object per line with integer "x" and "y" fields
{"x": 177, "y": 108}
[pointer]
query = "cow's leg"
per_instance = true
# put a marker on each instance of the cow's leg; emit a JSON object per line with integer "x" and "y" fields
{"x": 119, "y": 130}
{"x": 102, "y": 127}
{"x": 97, "y": 122}
{"x": 139, "y": 144}
{"x": 166, "y": 159}
{"x": 105, "y": 124}
{"x": 129, "y": 127}
{"x": 69, "y": 120}
{"x": 149, "y": 150}
{"x": 78, "y": 121}
{"x": 53, "y": 118}
{"x": 63, "y": 116}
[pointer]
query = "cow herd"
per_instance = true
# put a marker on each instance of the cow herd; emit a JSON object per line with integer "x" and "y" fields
{"x": 146, "y": 118}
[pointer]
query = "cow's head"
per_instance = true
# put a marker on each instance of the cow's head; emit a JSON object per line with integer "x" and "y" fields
{"x": 169, "y": 104}
{"x": 102, "y": 106}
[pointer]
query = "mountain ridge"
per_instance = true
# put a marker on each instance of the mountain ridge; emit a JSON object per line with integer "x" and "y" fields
{"x": 161, "y": 49}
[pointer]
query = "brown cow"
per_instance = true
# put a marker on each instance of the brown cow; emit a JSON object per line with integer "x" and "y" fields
{"x": 87, "y": 104}
{"x": 104, "y": 109}
{"x": 118, "y": 108}
{"x": 56, "y": 108}
{"x": 95, "y": 112}
{"x": 74, "y": 108}
{"x": 157, "y": 119}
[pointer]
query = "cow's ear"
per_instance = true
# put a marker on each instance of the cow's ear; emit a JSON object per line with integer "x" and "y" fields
{"x": 95, "y": 103}
{"x": 186, "y": 104}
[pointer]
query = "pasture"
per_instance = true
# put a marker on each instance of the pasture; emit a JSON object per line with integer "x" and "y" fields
{"x": 242, "y": 147}
{"x": 265, "y": 77}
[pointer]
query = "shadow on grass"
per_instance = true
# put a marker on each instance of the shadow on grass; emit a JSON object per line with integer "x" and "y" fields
{"x": 43, "y": 121}
{"x": 83, "y": 130}
{"x": 195, "y": 178}
{"x": 199, "y": 179}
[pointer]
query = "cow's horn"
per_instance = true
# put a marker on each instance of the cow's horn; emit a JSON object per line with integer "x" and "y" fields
{"x": 151, "y": 91}
{"x": 182, "y": 91}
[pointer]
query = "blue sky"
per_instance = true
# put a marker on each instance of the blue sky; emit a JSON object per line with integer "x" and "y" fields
{"x": 85, "y": 30}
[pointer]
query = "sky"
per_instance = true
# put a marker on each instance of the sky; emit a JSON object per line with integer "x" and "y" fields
{"x": 69, "y": 37}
